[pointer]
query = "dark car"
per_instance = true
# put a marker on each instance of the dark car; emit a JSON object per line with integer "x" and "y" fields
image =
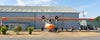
{"x": 88, "y": 27}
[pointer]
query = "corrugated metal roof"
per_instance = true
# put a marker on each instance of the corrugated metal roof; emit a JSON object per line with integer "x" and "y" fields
{"x": 36, "y": 9}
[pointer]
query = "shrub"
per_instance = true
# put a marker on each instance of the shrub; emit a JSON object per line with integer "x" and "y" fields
{"x": 4, "y": 30}
{"x": 0, "y": 29}
{"x": 30, "y": 29}
{"x": 17, "y": 29}
{"x": 98, "y": 18}
{"x": 12, "y": 27}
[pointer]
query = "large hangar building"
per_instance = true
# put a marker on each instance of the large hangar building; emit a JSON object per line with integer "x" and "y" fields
{"x": 22, "y": 15}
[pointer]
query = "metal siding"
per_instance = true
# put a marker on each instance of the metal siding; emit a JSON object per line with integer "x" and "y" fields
{"x": 39, "y": 24}
{"x": 93, "y": 23}
{"x": 59, "y": 23}
{"x": 69, "y": 23}
{"x": 18, "y": 14}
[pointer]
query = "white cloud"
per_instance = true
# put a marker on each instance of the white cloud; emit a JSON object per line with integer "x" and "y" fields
{"x": 35, "y": 2}
{"x": 20, "y": 2}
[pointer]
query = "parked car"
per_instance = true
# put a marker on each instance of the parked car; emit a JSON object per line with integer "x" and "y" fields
{"x": 88, "y": 27}
{"x": 92, "y": 27}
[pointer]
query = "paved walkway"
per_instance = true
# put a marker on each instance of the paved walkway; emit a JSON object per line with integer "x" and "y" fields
{"x": 51, "y": 34}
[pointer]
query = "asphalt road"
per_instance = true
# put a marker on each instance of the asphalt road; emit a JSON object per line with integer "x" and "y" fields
{"x": 55, "y": 38}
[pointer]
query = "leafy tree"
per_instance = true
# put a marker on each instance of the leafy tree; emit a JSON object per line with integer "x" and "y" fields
{"x": 98, "y": 18}
{"x": 17, "y": 29}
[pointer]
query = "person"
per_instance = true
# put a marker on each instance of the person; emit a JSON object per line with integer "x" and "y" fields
{"x": 50, "y": 21}
{"x": 62, "y": 28}
{"x": 56, "y": 29}
{"x": 42, "y": 29}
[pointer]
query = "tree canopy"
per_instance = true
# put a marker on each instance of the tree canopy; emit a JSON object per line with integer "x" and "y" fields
{"x": 98, "y": 18}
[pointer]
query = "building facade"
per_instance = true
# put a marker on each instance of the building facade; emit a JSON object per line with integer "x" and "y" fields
{"x": 95, "y": 23}
{"x": 38, "y": 11}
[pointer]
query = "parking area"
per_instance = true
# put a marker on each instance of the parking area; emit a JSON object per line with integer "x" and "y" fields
{"x": 53, "y": 38}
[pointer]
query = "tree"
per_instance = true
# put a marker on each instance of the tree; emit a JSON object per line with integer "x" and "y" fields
{"x": 98, "y": 18}
{"x": 17, "y": 29}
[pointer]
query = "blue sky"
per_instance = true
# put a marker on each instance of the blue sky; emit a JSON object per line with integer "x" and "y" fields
{"x": 91, "y": 7}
